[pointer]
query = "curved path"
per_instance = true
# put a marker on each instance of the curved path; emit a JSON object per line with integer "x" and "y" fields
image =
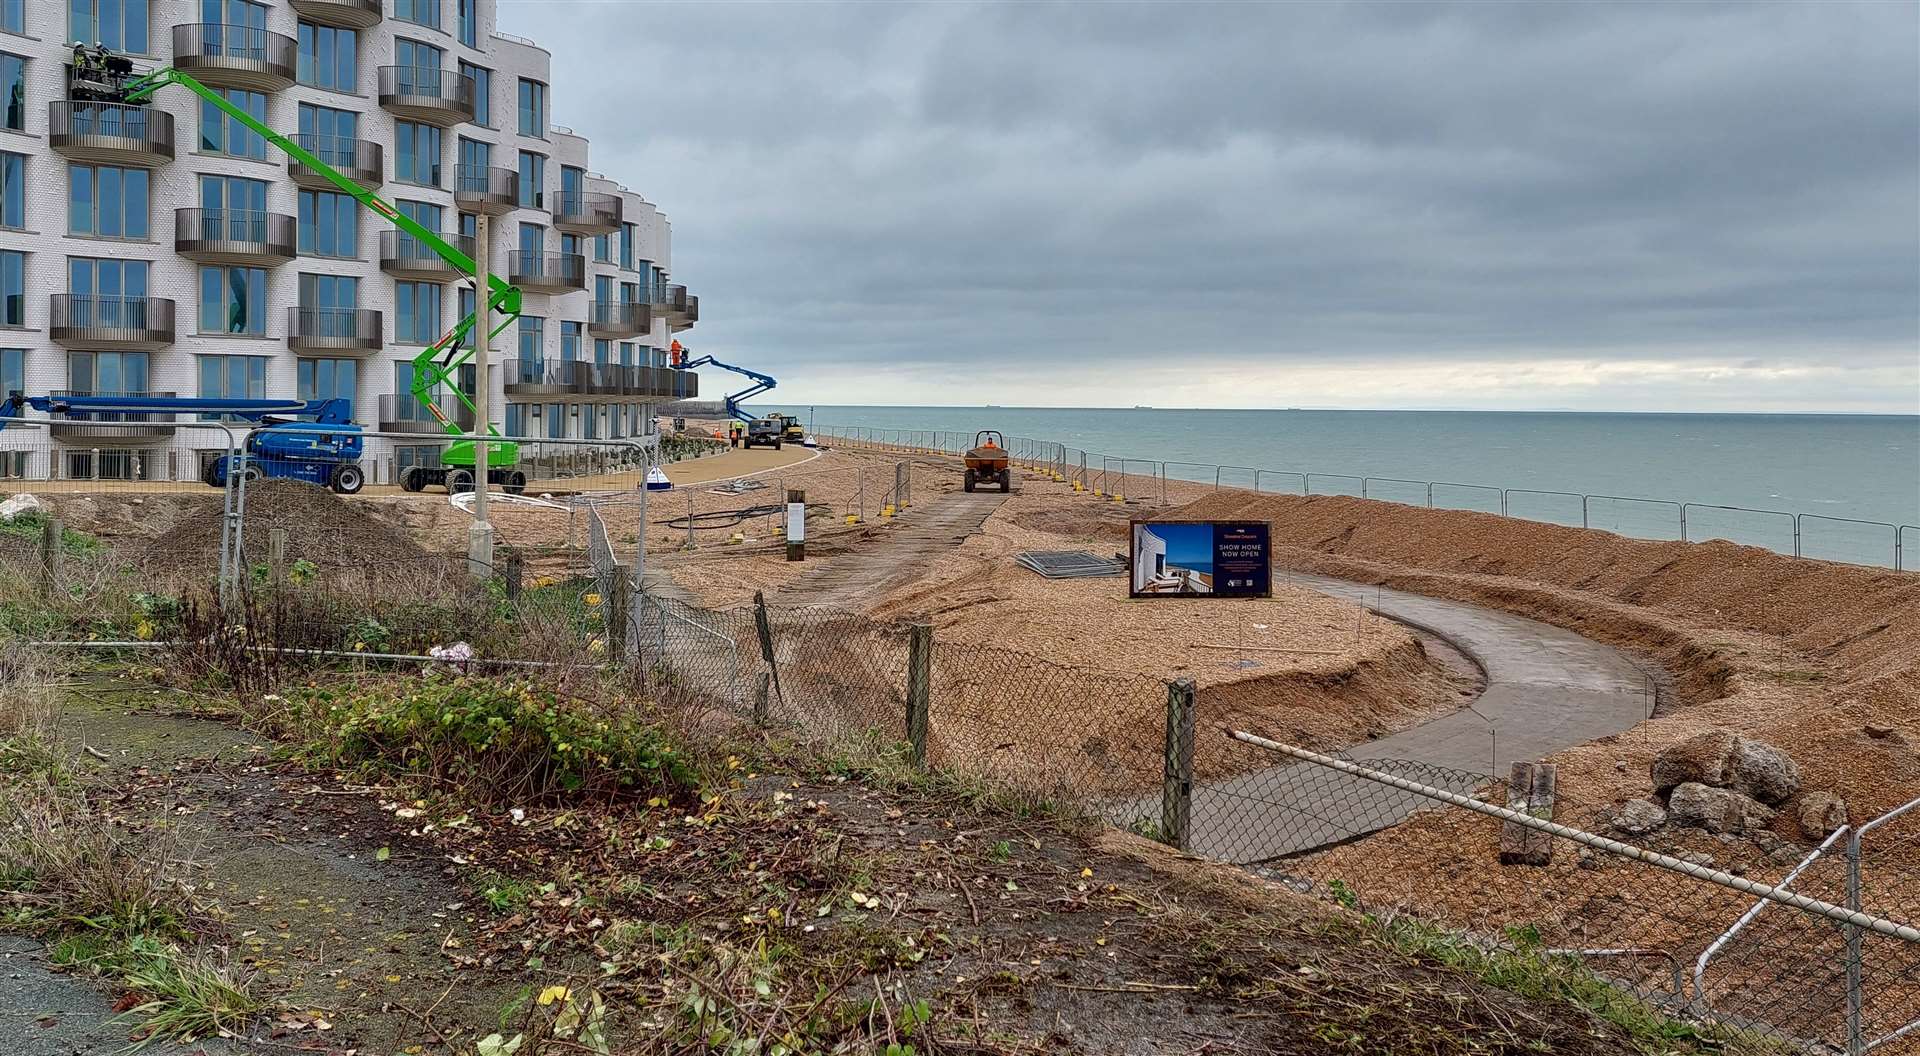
{"x": 1547, "y": 689}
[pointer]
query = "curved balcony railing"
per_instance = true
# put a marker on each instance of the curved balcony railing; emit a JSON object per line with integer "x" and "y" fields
{"x": 547, "y": 272}
{"x": 116, "y": 133}
{"x": 618, "y": 319}
{"x": 110, "y": 323}
{"x": 359, "y": 160}
{"x": 587, "y": 212}
{"x": 230, "y": 56}
{"x": 353, "y": 14}
{"x": 406, "y": 256}
{"x": 404, "y": 413}
{"x": 485, "y": 189}
{"x": 335, "y": 329}
{"x": 238, "y": 236}
{"x": 427, "y": 93}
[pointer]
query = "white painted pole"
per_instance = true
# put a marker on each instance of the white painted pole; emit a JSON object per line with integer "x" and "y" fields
{"x": 480, "y": 533}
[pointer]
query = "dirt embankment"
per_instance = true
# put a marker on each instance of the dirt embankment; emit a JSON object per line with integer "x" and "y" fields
{"x": 1806, "y": 654}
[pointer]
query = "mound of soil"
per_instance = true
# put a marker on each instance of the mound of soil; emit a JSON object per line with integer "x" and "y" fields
{"x": 322, "y": 527}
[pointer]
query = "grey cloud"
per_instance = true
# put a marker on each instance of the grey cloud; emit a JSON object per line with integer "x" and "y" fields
{"x": 1040, "y": 183}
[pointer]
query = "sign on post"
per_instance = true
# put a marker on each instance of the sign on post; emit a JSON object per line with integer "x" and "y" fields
{"x": 1219, "y": 559}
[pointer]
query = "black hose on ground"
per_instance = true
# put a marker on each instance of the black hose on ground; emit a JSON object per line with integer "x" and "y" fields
{"x": 729, "y": 518}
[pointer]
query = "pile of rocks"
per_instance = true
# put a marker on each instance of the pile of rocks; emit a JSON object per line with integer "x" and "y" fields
{"x": 1727, "y": 784}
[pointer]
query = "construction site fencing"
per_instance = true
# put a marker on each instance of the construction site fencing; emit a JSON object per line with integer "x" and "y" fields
{"x": 1810, "y": 947}
{"x": 1127, "y": 478}
{"x": 752, "y": 510}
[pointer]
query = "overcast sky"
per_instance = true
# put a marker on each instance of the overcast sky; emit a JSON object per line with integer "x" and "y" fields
{"x": 1671, "y": 206}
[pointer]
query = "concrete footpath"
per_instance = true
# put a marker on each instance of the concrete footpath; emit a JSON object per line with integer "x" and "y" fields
{"x": 1547, "y": 689}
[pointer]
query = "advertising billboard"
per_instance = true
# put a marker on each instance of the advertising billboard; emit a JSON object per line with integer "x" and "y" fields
{"x": 1216, "y": 559}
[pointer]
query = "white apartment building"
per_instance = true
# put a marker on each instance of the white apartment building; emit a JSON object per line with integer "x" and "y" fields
{"x": 166, "y": 249}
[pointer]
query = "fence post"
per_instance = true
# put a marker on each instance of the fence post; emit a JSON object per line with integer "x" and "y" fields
{"x": 516, "y": 571}
{"x": 796, "y": 525}
{"x": 919, "y": 689}
{"x": 764, "y": 625}
{"x": 1530, "y": 789}
{"x": 277, "y": 554}
{"x": 760, "y": 700}
{"x": 689, "y": 518}
{"x": 50, "y": 533}
{"x": 619, "y": 599}
{"x": 1176, "y": 787}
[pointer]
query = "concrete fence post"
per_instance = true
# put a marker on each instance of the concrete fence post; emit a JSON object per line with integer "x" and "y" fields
{"x": 919, "y": 690}
{"x": 50, "y": 534}
{"x": 1530, "y": 790}
{"x": 1176, "y": 789}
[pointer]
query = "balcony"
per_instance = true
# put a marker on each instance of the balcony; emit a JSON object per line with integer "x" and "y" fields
{"x": 100, "y": 428}
{"x": 406, "y": 257}
{"x": 353, "y": 14}
{"x": 228, "y": 56}
{"x": 485, "y": 189}
{"x": 234, "y": 236}
{"x": 680, "y": 309}
{"x": 403, "y": 413}
{"x": 427, "y": 93}
{"x": 547, "y": 273}
{"x": 335, "y": 331}
{"x": 618, "y": 319}
{"x": 545, "y": 379}
{"x": 110, "y": 133}
{"x": 356, "y": 159}
{"x": 588, "y": 212}
{"x": 110, "y": 324}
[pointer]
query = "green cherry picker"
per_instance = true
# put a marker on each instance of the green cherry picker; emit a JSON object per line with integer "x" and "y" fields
{"x": 111, "y": 78}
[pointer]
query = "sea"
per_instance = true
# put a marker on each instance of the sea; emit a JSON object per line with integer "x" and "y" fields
{"x": 1831, "y": 468}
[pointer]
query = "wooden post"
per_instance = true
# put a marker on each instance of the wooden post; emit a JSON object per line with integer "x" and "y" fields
{"x": 919, "y": 689}
{"x": 277, "y": 554}
{"x": 1176, "y": 790}
{"x": 51, "y": 532}
{"x": 764, "y": 624}
{"x": 1530, "y": 788}
{"x": 796, "y": 525}
{"x": 516, "y": 574}
{"x": 760, "y": 699}
{"x": 619, "y": 601}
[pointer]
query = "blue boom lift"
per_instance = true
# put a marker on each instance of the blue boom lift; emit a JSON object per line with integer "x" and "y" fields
{"x": 309, "y": 440}
{"x": 769, "y": 430}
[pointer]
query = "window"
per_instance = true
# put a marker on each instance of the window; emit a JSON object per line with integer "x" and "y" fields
{"x": 602, "y": 351}
{"x": 626, "y": 353}
{"x": 328, "y": 379}
{"x": 243, "y": 14}
{"x": 119, "y": 24}
{"x": 329, "y": 57}
{"x": 407, "y": 456}
{"x": 13, "y": 288}
{"x": 329, "y": 293}
{"x": 13, "y": 92}
{"x": 232, "y": 378}
{"x": 533, "y": 180}
{"x": 533, "y": 339}
{"x": 234, "y": 195}
{"x": 466, "y": 17}
{"x": 13, "y": 16}
{"x": 329, "y": 224}
{"x": 482, "y": 92}
{"x": 602, "y": 289}
{"x": 557, "y": 420}
{"x": 220, "y": 133}
{"x": 417, "y": 312}
{"x": 419, "y": 153}
{"x": 533, "y": 238}
{"x": 419, "y": 12}
{"x": 13, "y": 190}
{"x": 13, "y": 370}
{"x": 533, "y": 109}
{"x": 629, "y": 293}
{"x": 626, "y": 247}
{"x": 603, "y": 248}
{"x": 426, "y": 214}
{"x": 475, "y": 156}
{"x": 589, "y": 422}
{"x": 573, "y": 186}
{"x": 569, "y": 244}
{"x": 109, "y": 293}
{"x": 423, "y": 57}
{"x": 570, "y": 341}
{"x": 469, "y": 225}
{"x": 107, "y": 373}
{"x": 114, "y": 463}
{"x": 516, "y": 424}
{"x": 106, "y": 202}
{"x": 233, "y": 300}
{"x": 329, "y": 134}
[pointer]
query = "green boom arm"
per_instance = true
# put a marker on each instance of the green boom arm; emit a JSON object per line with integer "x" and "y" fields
{"x": 439, "y": 360}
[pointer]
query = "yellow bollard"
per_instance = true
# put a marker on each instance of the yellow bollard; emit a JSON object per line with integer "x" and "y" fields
{"x": 1076, "y": 487}
{"x": 1098, "y": 494}
{"x": 853, "y": 518}
{"x": 1119, "y": 498}
{"x": 886, "y": 511}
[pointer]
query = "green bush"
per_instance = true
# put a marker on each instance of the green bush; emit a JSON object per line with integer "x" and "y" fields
{"x": 493, "y": 741}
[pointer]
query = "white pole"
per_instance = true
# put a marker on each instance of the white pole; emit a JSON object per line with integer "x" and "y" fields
{"x": 480, "y": 533}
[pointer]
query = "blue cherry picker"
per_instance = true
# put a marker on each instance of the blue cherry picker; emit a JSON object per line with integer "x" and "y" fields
{"x": 328, "y": 449}
{"x": 770, "y": 430}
